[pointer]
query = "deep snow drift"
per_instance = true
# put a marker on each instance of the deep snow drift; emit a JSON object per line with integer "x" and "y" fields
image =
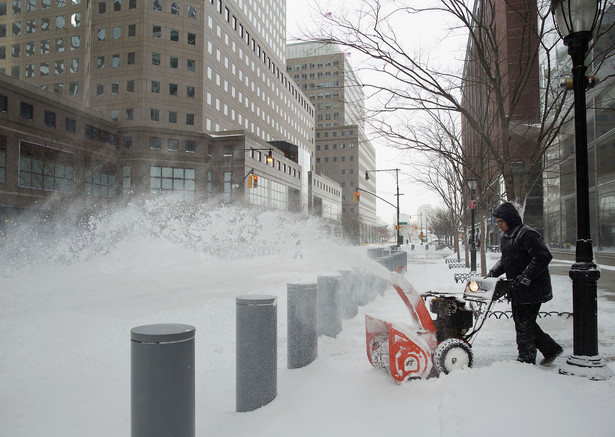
{"x": 70, "y": 293}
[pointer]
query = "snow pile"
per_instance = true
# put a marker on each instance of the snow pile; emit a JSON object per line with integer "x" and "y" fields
{"x": 75, "y": 290}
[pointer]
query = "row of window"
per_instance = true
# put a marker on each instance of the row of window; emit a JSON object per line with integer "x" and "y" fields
{"x": 61, "y": 22}
{"x": 30, "y": 5}
{"x": 325, "y": 134}
{"x": 334, "y": 146}
{"x": 27, "y": 110}
{"x": 334, "y": 159}
{"x": 44, "y": 45}
{"x": 172, "y": 144}
{"x": 256, "y": 48}
{"x": 313, "y": 65}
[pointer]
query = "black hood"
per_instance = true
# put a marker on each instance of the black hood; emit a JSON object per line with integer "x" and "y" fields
{"x": 507, "y": 212}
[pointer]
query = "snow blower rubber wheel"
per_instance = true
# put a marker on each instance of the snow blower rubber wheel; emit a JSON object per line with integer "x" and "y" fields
{"x": 452, "y": 354}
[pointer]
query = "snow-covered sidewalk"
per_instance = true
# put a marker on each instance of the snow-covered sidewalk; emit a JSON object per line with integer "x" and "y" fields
{"x": 65, "y": 351}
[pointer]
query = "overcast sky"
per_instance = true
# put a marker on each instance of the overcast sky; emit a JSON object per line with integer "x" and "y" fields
{"x": 300, "y": 15}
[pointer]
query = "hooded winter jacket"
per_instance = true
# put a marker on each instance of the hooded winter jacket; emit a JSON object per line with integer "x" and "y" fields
{"x": 525, "y": 253}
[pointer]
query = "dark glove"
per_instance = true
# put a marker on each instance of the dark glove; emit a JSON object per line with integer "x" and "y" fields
{"x": 522, "y": 282}
{"x": 490, "y": 274}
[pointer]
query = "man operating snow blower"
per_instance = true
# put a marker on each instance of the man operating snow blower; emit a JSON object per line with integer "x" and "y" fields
{"x": 525, "y": 259}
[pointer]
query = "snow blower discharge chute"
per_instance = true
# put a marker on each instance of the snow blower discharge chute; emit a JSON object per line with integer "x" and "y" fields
{"x": 431, "y": 347}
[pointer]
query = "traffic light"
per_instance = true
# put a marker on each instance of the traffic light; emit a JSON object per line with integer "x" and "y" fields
{"x": 253, "y": 181}
{"x": 356, "y": 196}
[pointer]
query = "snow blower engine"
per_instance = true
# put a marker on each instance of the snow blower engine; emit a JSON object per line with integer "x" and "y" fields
{"x": 430, "y": 347}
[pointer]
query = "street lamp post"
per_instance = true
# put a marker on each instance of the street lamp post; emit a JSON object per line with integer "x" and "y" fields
{"x": 472, "y": 185}
{"x": 396, "y": 170}
{"x": 575, "y": 21}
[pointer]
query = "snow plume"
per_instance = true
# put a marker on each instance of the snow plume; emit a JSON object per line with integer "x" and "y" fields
{"x": 77, "y": 234}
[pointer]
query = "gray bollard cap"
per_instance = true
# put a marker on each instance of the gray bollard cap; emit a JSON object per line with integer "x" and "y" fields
{"x": 162, "y": 333}
{"x": 256, "y": 300}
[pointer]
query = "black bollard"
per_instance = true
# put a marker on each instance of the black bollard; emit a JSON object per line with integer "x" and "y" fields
{"x": 257, "y": 351}
{"x": 302, "y": 320}
{"x": 162, "y": 381}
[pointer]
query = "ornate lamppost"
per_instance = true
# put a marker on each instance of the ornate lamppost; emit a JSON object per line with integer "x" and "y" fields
{"x": 575, "y": 21}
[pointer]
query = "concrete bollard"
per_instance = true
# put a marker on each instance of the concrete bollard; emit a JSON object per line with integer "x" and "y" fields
{"x": 329, "y": 305}
{"x": 349, "y": 295}
{"x": 162, "y": 381}
{"x": 302, "y": 321}
{"x": 257, "y": 351}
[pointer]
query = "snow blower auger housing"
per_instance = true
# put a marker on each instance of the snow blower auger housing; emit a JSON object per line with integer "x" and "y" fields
{"x": 429, "y": 347}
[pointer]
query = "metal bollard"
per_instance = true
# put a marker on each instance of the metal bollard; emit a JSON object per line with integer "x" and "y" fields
{"x": 329, "y": 305}
{"x": 302, "y": 320}
{"x": 349, "y": 294}
{"x": 162, "y": 381}
{"x": 257, "y": 351}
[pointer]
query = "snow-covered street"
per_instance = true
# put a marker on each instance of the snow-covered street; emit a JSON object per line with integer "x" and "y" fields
{"x": 66, "y": 314}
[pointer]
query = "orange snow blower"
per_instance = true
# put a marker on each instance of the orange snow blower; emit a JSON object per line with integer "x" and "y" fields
{"x": 431, "y": 347}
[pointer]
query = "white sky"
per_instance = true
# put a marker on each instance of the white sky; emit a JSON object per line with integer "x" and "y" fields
{"x": 300, "y": 15}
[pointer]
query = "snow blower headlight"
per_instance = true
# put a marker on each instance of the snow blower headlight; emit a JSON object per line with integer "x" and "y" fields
{"x": 473, "y": 286}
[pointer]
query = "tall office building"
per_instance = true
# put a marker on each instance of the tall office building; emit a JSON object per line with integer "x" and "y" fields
{"x": 343, "y": 152}
{"x": 513, "y": 25}
{"x": 198, "y": 90}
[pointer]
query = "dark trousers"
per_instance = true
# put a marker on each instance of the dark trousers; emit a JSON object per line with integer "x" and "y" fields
{"x": 529, "y": 335}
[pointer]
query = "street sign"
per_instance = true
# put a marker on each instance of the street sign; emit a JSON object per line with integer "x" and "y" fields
{"x": 403, "y": 223}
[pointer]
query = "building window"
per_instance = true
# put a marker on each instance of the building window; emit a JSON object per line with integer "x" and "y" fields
{"x": 2, "y": 159}
{"x": 173, "y": 144}
{"x": 172, "y": 117}
{"x": 174, "y": 8}
{"x": 174, "y": 62}
{"x": 130, "y": 113}
{"x": 192, "y": 12}
{"x": 71, "y": 125}
{"x": 50, "y": 119}
{"x": 46, "y": 169}
{"x": 99, "y": 183}
{"x": 157, "y": 5}
{"x": 73, "y": 88}
{"x": 130, "y": 86}
{"x": 174, "y": 35}
{"x": 156, "y": 31}
{"x": 155, "y": 114}
{"x": 26, "y": 111}
{"x": 190, "y": 146}
{"x": 102, "y": 7}
{"x": 127, "y": 142}
{"x": 117, "y": 5}
{"x": 191, "y": 39}
{"x": 126, "y": 180}
{"x": 154, "y": 143}
{"x": 155, "y": 58}
{"x": 190, "y": 65}
{"x": 173, "y": 180}
{"x": 132, "y": 30}
{"x": 190, "y": 119}
{"x": 131, "y": 58}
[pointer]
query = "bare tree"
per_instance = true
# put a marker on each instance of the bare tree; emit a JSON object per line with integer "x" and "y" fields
{"x": 521, "y": 113}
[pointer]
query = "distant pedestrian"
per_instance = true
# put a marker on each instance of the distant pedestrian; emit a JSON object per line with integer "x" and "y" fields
{"x": 525, "y": 259}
